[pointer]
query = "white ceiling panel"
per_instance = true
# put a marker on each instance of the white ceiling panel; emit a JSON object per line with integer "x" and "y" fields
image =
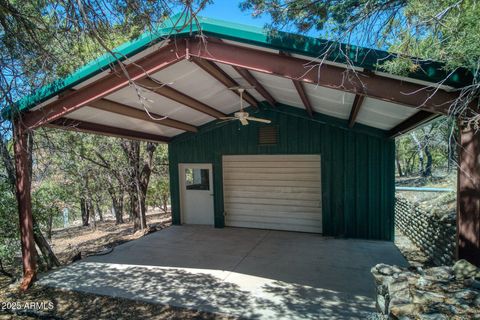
{"x": 384, "y": 115}
{"x": 281, "y": 89}
{"x": 114, "y": 120}
{"x": 159, "y": 105}
{"x": 240, "y": 80}
{"x": 335, "y": 103}
{"x": 188, "y": 78}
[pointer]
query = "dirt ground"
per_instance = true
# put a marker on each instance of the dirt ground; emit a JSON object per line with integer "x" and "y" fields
{"x": 60, "y": 304}
{"x": 413, "y": 254}
{"x": 69, "y": 242}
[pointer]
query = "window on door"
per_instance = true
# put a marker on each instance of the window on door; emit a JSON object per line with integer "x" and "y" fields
{"x": 197, "y": 179}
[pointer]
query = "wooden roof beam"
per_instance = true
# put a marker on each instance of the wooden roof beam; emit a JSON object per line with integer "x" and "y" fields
{"x": 303, "y": 96}
{"x": 300, "y": 90}
{"x": 94, "y": 128}
{"x": 177, "y": 96}
{"x": 373, "y": 85}
{"x": 128, "y": 111}
{"x": 357, "y": 104}
{"x": 114, "y": 81}
{"x": 220, "y": 75}
{"x": 411, "y": 123}
{"x": 255, "y": 83}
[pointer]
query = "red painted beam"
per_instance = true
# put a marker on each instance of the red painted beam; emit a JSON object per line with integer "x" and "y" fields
{"x": 468, "y": 195}
{"x": 175, "y": 95}
{"x": 357, "y": 104}
{"x": 152, "y": 63}
{"x": 24, "y": 202}
{"x": 221, "y": 76}
{"x": 411, "y": 123}
{"x": 334, "y": 77}
{"x": 258, "y": 86}
{"x": 89, "y": 127}
{"x": 128, "y": 111}
{"x": 303, "y": 96}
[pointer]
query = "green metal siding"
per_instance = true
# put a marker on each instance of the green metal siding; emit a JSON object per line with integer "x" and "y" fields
{"x": 357, "y": 167}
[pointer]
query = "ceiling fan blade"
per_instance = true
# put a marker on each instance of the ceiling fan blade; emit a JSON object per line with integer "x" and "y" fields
{"x": 259, "y": 120}
{"x": 243, "y": 121}
{"x": 227, "y": 118}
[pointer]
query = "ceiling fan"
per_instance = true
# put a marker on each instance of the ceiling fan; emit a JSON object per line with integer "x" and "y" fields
{"x": 241, "y": 115}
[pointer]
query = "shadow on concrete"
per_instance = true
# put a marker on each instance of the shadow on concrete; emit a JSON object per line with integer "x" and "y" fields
{"x": 254, "y": 274}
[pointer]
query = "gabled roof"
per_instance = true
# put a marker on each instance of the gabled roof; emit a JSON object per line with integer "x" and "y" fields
{"x": 368, "y": 59}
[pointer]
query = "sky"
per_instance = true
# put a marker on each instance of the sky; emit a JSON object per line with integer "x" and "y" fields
{"x": 228, "y": 10}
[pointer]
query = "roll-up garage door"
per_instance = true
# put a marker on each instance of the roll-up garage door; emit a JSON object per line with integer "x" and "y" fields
{"x": 280, "y": 192}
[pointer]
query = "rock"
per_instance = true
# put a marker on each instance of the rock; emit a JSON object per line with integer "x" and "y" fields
{"x": 381, "y": 304}
{"x": 472, "y": 283}
{"x": 432, "y": 316}
{"x": 462, "y": 269}
{"x": 426, "y": 297}
{"x": 395, "y": 286}
{"x": 439, "y": 273}
{"x": 423, "y": 282}
{"x": 403, "y": 311}
{"x": 467, "y": 295}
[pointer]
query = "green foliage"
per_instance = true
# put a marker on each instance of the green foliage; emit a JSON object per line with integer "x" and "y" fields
{"x": 436, "y": 140}
{"x": 440, "y": 30}
{"x": 9, "y": 244}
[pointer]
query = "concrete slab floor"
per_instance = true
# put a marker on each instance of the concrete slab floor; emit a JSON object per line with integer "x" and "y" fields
{"x": 250, "y": 273}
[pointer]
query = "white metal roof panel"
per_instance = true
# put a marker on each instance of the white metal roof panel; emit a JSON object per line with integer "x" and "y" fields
{"x": 187, "y": 77}
{"x": 381, "y": 114}
{"x": 92, "y": 115}
{"x": 160, "y": 105}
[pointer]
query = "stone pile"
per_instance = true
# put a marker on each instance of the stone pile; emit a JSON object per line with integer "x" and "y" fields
{"x": 436, "y": 293}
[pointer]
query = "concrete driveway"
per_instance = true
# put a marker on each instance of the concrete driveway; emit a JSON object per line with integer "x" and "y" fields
{"x": 250, "y": 273}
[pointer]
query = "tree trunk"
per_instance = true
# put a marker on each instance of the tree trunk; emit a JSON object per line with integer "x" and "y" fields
{"x": 84, "y": 211}
{"x": 47, "y": 253}
{"x": 399, "y": 166}
{"x": 91, "y": 212}
{"x": 98, "y": 211}
{"x": 50, "y": 225}
{"x": 145, "y": 178}
{"x": 3, "y": 271}
{"x": 117, "y": 206}
{"x": 428, "y": 167}
{"x": 420, "y": 153}
{"x": 132, "y": 151}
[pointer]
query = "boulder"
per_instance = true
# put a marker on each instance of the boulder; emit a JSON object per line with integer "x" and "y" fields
{"x": 462, "y": 269}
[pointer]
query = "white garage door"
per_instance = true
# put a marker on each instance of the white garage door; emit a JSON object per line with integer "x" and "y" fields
{"x": 280, "y": 192}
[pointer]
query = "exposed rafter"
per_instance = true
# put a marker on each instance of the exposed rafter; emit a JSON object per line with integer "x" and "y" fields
{"x": 124, "y": 110}
{"x": 411, "y": 123}
{"x": 149, "y": 64}
{"x": 217, "y": 73}
{"x": 375, "y": 86}
{"x": 301, "y": 91}
{"x": 175, "y": 95}
{"x": 303, "y": 95}
{"x": 356, "y": 105}
{"x": 89, "y": 127}
{"x": 258, "y": 86}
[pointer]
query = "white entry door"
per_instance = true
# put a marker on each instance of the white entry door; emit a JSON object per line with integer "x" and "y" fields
{"x": 196, "y": 193}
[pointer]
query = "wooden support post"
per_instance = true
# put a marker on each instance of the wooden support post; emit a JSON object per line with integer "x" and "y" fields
{"x": 24, "y": 201}
{"x": 468, "y": 196}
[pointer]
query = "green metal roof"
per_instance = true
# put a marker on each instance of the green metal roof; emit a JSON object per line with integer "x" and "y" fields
{"x": 314, "y": 47}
